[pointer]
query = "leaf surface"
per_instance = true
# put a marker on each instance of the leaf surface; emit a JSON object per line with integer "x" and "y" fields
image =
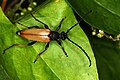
{"x": 53, "y": 64}
{"x": 105, "y": 13}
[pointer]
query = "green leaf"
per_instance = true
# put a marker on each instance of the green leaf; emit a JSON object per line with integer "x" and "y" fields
{"x": 52, "y": 64}
{"x": 3, "y": 74}
{"x": 107, "y": 55}
{"x": 105, "y": 13}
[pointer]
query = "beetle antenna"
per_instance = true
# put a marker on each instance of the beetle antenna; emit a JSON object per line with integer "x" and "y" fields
{"x": 79, "y": 21}
{"x": 81, "y": 49}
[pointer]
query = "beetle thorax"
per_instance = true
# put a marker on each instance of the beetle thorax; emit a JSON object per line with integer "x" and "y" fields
{"x": 54, "y": 35}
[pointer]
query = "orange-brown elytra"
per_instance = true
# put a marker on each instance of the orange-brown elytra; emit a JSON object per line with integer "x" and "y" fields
{"x": 40, "y": 35}
{"x": 46, "y": 35}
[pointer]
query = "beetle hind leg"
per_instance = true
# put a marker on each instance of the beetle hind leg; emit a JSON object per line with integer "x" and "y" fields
{"x": 29, "y": 44}
{"x": 8, "y": 48}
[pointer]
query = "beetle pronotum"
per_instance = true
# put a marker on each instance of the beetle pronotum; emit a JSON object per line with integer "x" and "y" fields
{"x": 46, "y": 35}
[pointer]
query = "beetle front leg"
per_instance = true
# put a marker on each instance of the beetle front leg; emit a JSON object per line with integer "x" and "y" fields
{"x": 29, "y": 44}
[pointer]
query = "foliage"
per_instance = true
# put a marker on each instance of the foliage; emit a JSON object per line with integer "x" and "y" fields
{"x": 105, "y": 16}
{"x": 17, "y": 62}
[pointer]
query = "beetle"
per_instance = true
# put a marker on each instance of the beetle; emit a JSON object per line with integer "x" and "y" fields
{"x": 46, "y": 35}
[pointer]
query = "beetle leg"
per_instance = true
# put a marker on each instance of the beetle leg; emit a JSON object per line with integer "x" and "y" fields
{"x": 27, "y": 26}
{"x": 33, "y": 27}
{"x": 22, "y": 25}
{"x": 29, "y": 44}
{"x": 59, "y": 25}
{"x": 40, "y": 21}
{"x": 46, "y": 47}
{"x": 59, "y": 42}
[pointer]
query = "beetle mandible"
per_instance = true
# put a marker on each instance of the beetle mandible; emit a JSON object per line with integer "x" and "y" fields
{"x": 46, "y": 35}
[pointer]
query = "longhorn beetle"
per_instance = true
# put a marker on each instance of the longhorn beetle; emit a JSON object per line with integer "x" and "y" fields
{"x": 46, "y": 35}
